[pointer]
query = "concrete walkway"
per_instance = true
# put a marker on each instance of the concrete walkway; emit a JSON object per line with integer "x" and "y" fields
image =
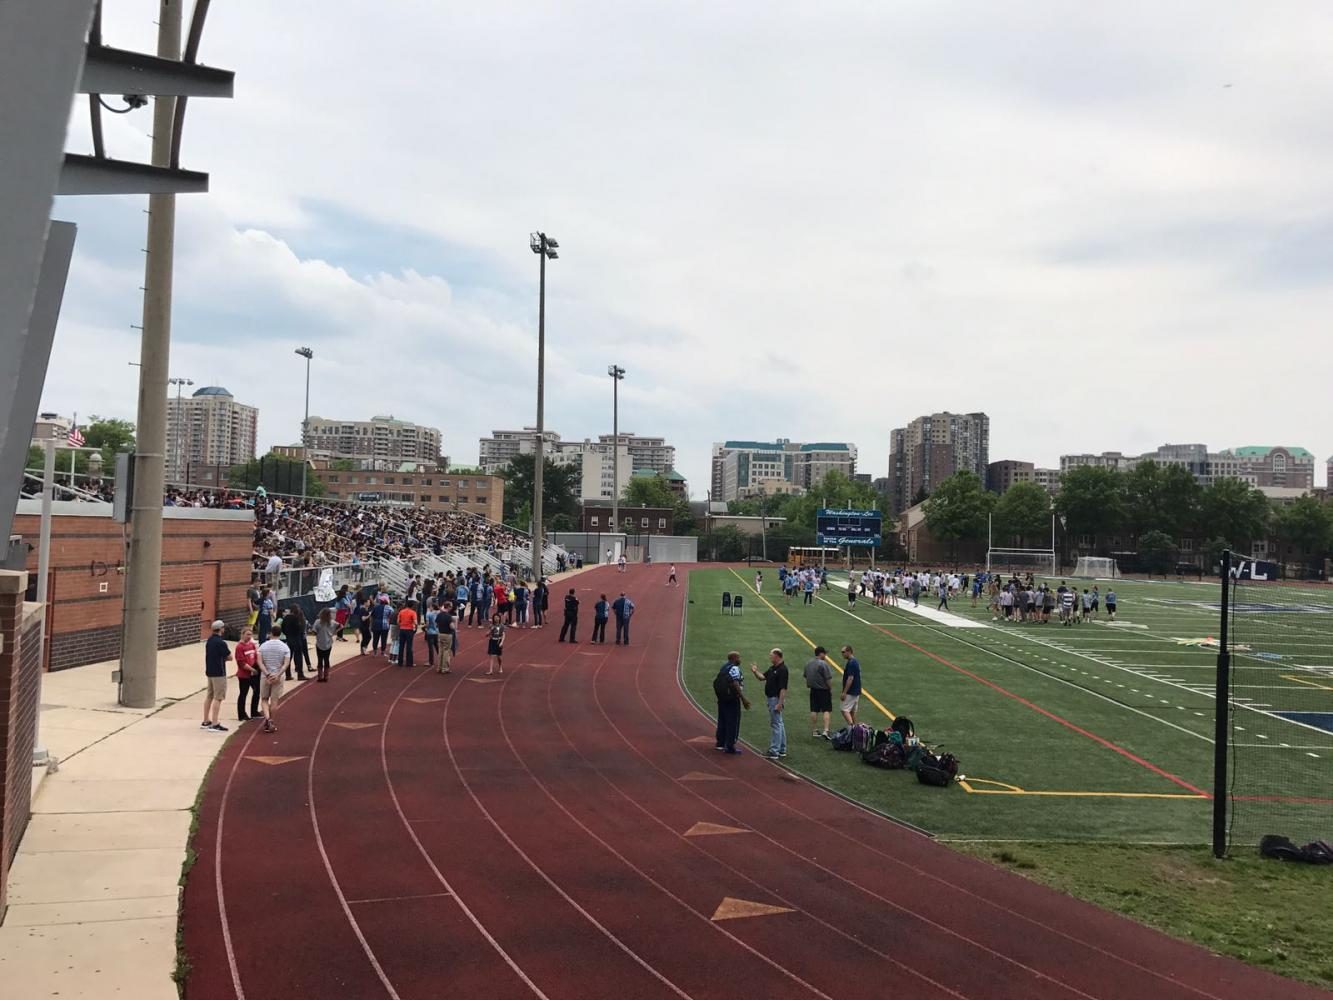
{"x": 93, "y": 890}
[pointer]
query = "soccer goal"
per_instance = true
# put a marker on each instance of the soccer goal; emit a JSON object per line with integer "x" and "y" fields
{"x": 1021, "y": 561}
{"x": 1096, "y": 568}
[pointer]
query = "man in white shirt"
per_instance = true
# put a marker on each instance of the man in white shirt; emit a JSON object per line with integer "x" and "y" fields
{"x": 274, "y": 658}
{"x": 272, "y": 568}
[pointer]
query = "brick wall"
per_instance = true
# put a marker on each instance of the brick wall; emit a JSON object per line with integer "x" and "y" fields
{"x": 86, "y": 587}
{"x": 20, "y": 661}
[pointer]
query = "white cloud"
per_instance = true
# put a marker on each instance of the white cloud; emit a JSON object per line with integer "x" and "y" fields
{"x": 814, "y": 222}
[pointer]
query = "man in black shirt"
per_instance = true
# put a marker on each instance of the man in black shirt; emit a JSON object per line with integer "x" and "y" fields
{"x": 571, "y": 624}
{"x": 775, "y": 694}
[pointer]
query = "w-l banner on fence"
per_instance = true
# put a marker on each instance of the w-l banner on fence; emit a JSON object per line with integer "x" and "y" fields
{"x": 1278, "y": 707}
{"x": 848, "y": 527}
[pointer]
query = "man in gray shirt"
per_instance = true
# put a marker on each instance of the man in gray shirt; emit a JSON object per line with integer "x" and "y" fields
{"x": 818, "y": 678}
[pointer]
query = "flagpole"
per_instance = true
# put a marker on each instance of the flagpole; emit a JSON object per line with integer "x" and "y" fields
{"x": 72, "y": 452}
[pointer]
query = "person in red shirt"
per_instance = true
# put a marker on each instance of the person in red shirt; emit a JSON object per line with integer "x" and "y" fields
{"x": 502, "y": 603}
{"x": 407, "y": 633}
{"x": 247, "y": 675}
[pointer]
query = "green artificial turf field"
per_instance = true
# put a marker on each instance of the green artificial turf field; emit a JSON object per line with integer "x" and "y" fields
{"x": 1097, "y": 732}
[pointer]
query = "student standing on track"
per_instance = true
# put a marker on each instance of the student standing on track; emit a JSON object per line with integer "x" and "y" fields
{"x": 601, "y": 611}
{"x": 274, "y": 658}
{"x": 495, "y": 644}
{"x": 775, "y": 695}
{"x": 247, "y": 676}
{"x": 729, "y": 687}
{"x": 620, "y": 563}
{"x": 407, "y": 633}
{"x": 293, "y": 630}
{"x": 541, "y": 603}
{"x": 851, "y": 685}
{"x": 430, "y": 628}
{"x": 216, "y": 655}
{"x": 379, "y": 624}
{"x": 671, "y": 577}
{"x": 444, "y": 622}
{"x": 522, "y": 595}
{"x": 571, "y": 623}
{"x": 325, "y": 631}
{"x": 819, "y": 679}
{"x": 623, "y": 608}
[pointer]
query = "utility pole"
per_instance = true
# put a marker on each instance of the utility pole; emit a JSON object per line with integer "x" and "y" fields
{"x": 617, "y": 373}
{"x": 306, "y": 353}
{"x": 143, "y": 566}
{"x": 544, "y": 247}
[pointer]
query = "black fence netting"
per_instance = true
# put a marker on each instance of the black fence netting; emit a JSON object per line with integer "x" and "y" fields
{"x": 1280, "y": 708}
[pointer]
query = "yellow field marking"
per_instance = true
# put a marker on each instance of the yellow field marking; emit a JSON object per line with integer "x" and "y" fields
{"x": 1302, "y": 680}
{"x": 811, "y": 643}
{"x": 1007, "y": 789}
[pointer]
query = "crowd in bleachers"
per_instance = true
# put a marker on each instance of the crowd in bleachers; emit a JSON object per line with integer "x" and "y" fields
{"x": 318, "y": 533}
{"x": 315, "y": 532}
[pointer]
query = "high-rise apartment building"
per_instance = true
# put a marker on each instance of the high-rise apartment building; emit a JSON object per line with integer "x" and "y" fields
{"x": 645, "y": 452}
{"x": 931, "y": 449}
{"x": 208, "y": 430}
{"x": 752, "y": 468}
{"x": 381, "y": 439}
{"x": 1002, "y": 475}
{"x": 603, "y": 468}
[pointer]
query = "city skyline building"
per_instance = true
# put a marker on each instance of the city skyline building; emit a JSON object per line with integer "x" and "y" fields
{"x": 380, "y": 439}
{"x": 210, "y": 430}
{"x": 932, "y": 448}
{"x": 742, "y": 469}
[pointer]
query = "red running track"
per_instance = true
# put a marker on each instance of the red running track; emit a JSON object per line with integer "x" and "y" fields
{"x": 411, "y": 835}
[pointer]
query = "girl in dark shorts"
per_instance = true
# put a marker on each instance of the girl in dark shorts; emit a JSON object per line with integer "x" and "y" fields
{"x": 495, "y": 644}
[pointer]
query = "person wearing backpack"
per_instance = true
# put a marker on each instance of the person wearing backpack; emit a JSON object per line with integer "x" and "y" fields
{"x": 729, "y": 688}
{"x": 623, "y": 608}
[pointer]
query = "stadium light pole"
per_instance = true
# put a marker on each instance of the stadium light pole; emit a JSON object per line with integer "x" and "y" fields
{"x": 617, "y": 373}
{"x": 544, "y": 247}
{"x": 306, "y": 353}
{"x": 180, "y": 433}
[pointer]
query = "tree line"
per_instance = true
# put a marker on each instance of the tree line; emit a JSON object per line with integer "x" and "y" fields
{"x": 1156, "y": 511}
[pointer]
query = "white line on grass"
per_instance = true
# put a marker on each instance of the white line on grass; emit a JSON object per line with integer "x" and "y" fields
{"x": 1059, "y": 680}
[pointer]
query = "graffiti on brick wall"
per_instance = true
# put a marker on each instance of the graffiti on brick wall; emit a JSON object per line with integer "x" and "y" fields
{"x": 99, "y": 568}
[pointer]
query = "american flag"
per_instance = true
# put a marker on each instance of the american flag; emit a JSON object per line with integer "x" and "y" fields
{"x": 75, "y": 437}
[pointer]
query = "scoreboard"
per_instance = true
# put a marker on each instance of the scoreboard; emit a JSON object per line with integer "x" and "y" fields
{"x": 848, "y": 527}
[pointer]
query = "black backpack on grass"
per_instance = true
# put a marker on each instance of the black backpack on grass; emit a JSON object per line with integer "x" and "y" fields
{"x": 842, "y": 739}
{"x": 887, "y": 755}
{"x": 936, "y": 769}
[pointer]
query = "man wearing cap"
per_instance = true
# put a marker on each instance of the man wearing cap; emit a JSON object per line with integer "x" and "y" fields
{"x": 216, "y": 655}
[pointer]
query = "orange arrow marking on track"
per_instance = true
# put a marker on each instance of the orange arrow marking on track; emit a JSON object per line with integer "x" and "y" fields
{"x": 274, "y": 760}
{"x": 701, "y": 776}
{"x": 712, "y": 830}
{"x": 356, "y": 725}
{"x": 735, "y": 909}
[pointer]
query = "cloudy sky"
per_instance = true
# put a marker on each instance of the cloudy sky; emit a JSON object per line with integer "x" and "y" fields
{"x": 1108, "y": 226}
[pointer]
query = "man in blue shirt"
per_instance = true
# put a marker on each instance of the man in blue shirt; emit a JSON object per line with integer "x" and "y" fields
{"x": 851, "y": 685}
{"x": 216, "y": 655}
{"x": 624, "y": 609}
{"x": 810, "y": 589}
